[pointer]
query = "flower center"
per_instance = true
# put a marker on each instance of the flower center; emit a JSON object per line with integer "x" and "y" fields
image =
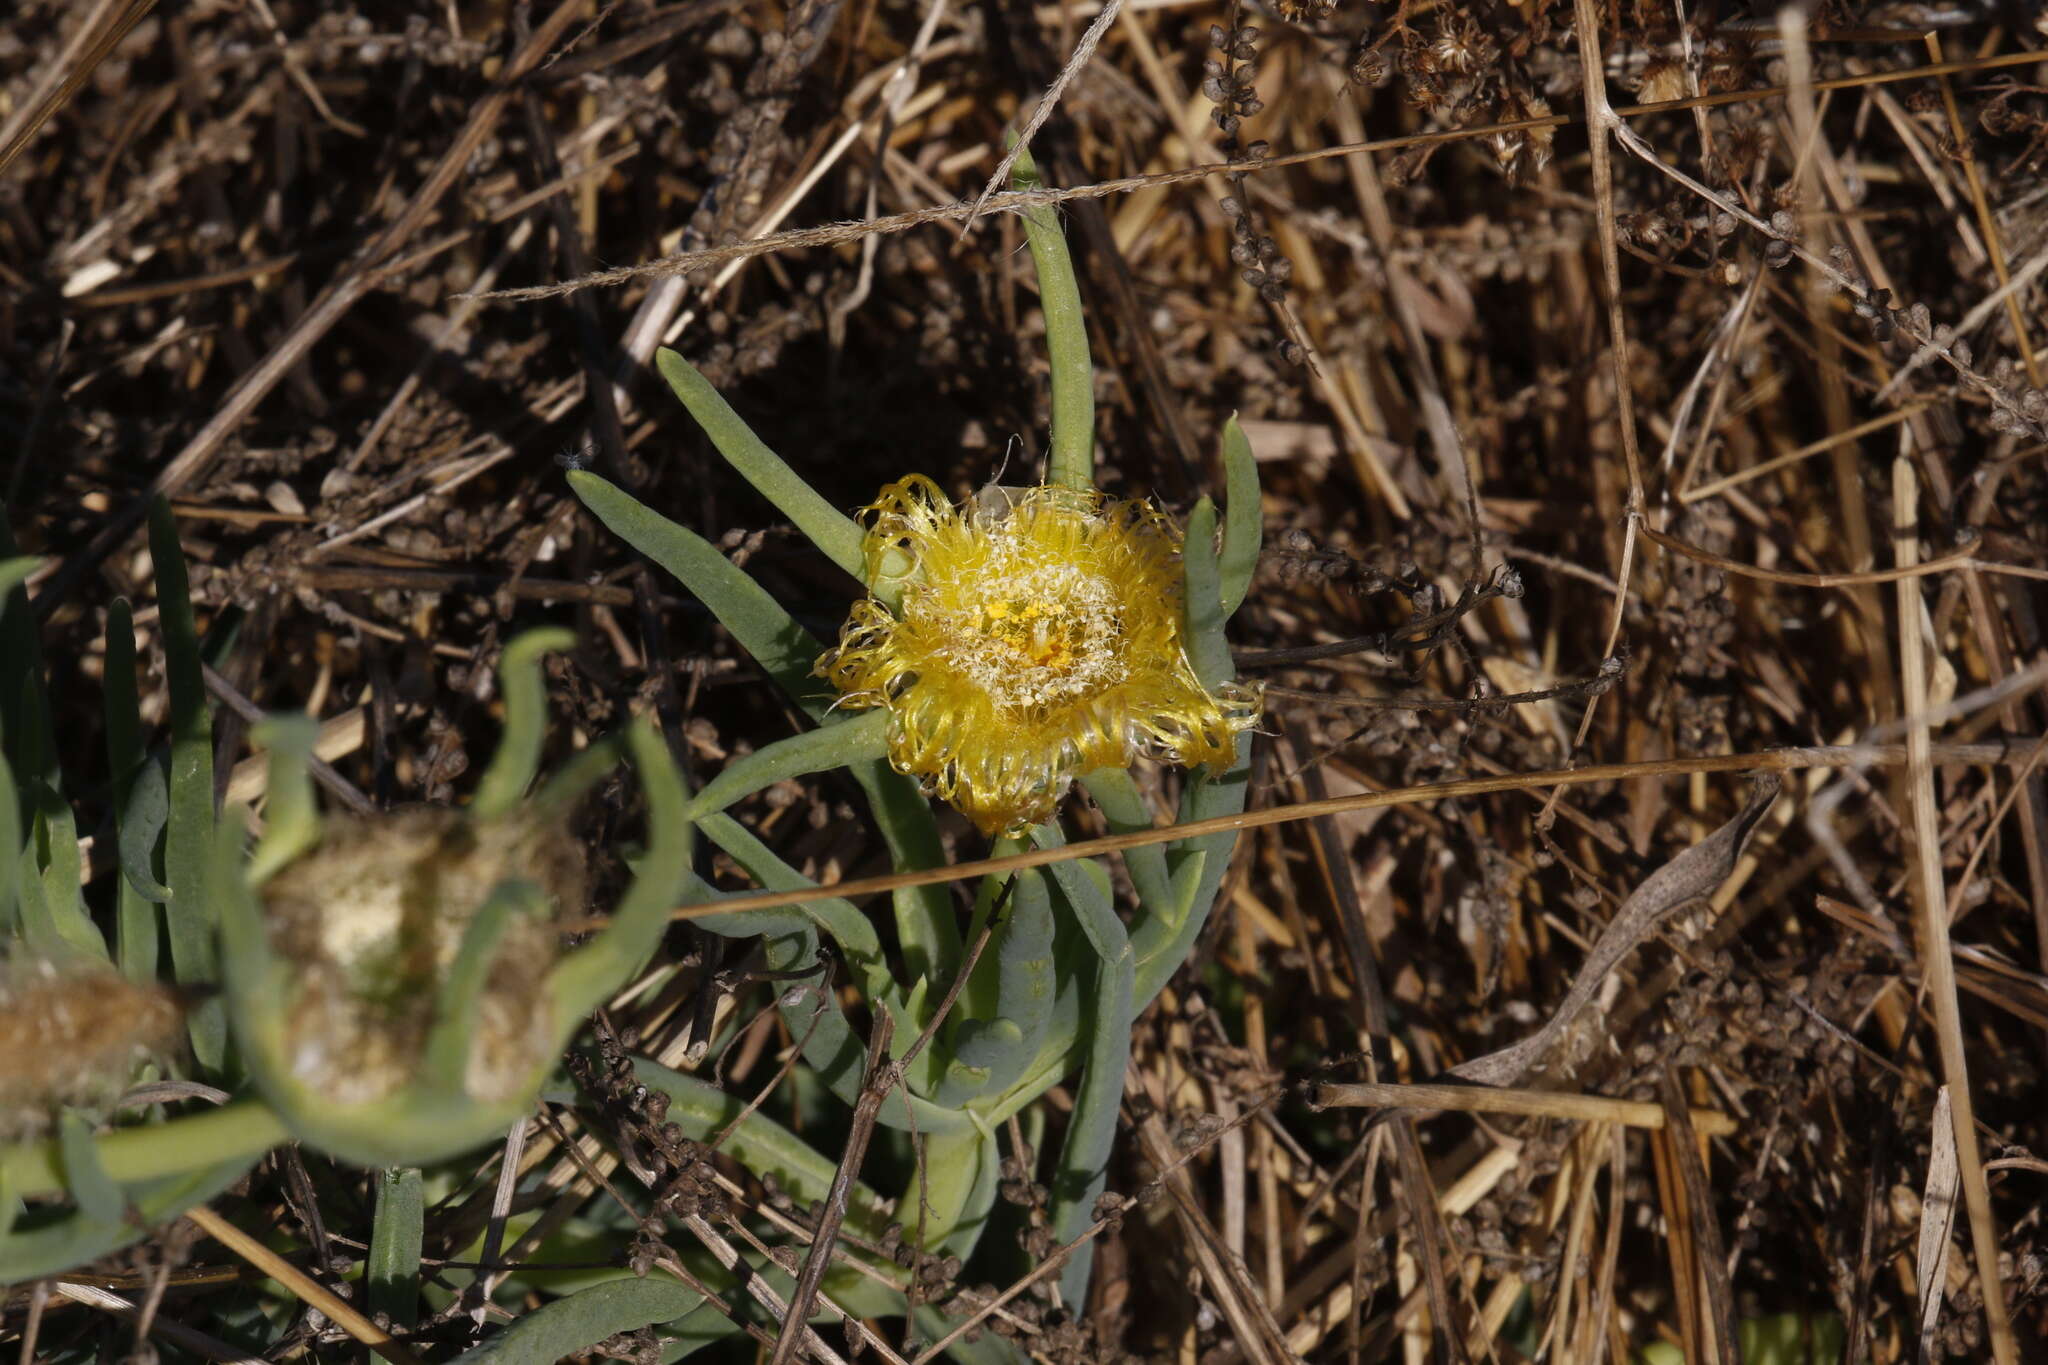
{"x": 1036, "y": 637}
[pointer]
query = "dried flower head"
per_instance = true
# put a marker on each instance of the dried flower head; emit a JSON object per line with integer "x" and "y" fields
{"x": 373, "y": 918}
{"x": 74, "y": 1035}
{"x": 1039, "y": 636}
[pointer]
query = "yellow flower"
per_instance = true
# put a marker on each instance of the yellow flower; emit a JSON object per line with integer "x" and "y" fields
{"x": 1039, "y": 635}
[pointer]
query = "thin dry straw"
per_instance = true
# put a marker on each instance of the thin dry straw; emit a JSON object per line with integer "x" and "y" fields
{"x": 2008, "y": 751}
{"x": 1012, "y": 201}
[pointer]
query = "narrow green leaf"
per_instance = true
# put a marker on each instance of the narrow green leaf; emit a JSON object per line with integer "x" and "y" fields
{"x": 444, "y": 1060}
{"x": 255, "y": 985}
{"x": 1106, "y": 1033}
{"x": 24, "y": 710}
{"x": 1124, "y": 810}
{"x": 1018, "y": 976}
{"x": 785, "y": 650}
{"x": 1198, "y": 865}
{"x": 837, "y": 1054}
{"x": 850, "y": 929}
{"x": 1243, "y": 524}
{"x": 864, "y": 738}
{"x": 34, "y": 752}
{"x": 927, "y": 930}
{"x": 13, "y": 573}
{"x": 979, "y": 1046}
{"x": 1083, "y": 1170}
{"x": 787, "y": 653}
{"x": 833, "y": 1049}
{"x": 141, "y": 802}
{"x": 240, "y": 1131}
{"x": 517, "y": 758}
{"x": 188, "y": 837}
{"x": 954, "y": 1188}
{"x": 1207, "y": 652}
{"x": 568, "y": 784}
{"x": 397, "y": 1233}
{"x": 291, "y": 824}
{"x": 53, "y": 917}
{"x": 1066, "y": 337}
{"x": 571, "y": 1325}
{"x": 95, "y": 1192}
{"x": 831, "y": 530}
{"x": 582, "y": 980}
{"x": 66, "y": 1244}
{"x": 929, "y": 935}
{"x": 759, "y": 1143}
{"x": 143, "y": 812}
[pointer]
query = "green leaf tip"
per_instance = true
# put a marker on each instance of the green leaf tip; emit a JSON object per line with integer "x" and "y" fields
{"x": 291, "y": 819}
{"x": 831, "y": 530}
{"x": 1243, "y": 526}
{"x": 518, "y": 757}
{"x": 1072, "y": 463}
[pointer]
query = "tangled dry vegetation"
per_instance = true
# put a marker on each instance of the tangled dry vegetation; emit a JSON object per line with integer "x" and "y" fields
{"x": 1718, "y": 434}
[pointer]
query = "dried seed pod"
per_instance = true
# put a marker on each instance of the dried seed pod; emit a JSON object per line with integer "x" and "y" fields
{"x": 372, "y": 918}
{"x": 72, "y": 1035}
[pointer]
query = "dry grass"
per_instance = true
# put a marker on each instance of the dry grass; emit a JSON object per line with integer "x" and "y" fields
{"x": 1742, "y": 386}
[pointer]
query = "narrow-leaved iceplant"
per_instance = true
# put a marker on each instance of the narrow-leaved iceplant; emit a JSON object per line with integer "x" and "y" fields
{"x": 392, "y": 991}
{"x": 1005, "y": 650}
{"x": 396, "y": 984}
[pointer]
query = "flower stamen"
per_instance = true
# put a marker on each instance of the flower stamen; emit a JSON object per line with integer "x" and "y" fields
{"x": 1038, "y": 636}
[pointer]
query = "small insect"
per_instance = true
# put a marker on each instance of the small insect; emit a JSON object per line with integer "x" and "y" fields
{"x": 576, "y": 457}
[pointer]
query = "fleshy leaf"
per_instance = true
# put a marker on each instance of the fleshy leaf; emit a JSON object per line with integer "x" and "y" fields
{"x": 188, "y": 836}
{"x": 397, "y": 1233}
{"x": 517, "y": 758}
{"x": 444, "y": 1061}
{"x": 53, "y": 914}
{"x": 142, "y": 803}
{"x": 1242, "y": 520}
{"x": 831, "y": 530}
{"x": 95, "y": 1192}
{"x": 1072, "y": 463}
{"x": 785, "y": 650}
{"x": 1123, "y": 808}
{"x": 291, "y": 818}
{"x": 862, "y": 739}
{"x": 582, "y": 980}
{"x": 571, "y": 1325}
{"x": 1207, "y": 651}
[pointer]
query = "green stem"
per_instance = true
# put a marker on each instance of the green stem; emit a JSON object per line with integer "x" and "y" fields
{"x": 1066, "y": 338}
{"x": 153, "y": 1151}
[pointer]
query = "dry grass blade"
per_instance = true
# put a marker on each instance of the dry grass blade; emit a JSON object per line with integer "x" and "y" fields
{"x": 1494, "y": 1100}
{"x": 1251, "y": 1321}
{"x": 1705, "y": 1226}
{"x": 1937, "y": 960}
{"x": 99, "y": 31}
{"x": 199, "y": 1343}
{"x": 882, "y": 1077}
{"x": 1937, "y": 1219}
{"x": 1397, "y": 242}
{"x": 319, "y": 317}
{"x": 301, "y": 1285}
{"x": 1011, "y": 201}
{"x": 2010, "y": 752}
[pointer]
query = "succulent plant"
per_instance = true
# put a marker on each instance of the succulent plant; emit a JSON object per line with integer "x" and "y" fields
{"x": 1005, "y": 650}
{"x": 395, "y": 984}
